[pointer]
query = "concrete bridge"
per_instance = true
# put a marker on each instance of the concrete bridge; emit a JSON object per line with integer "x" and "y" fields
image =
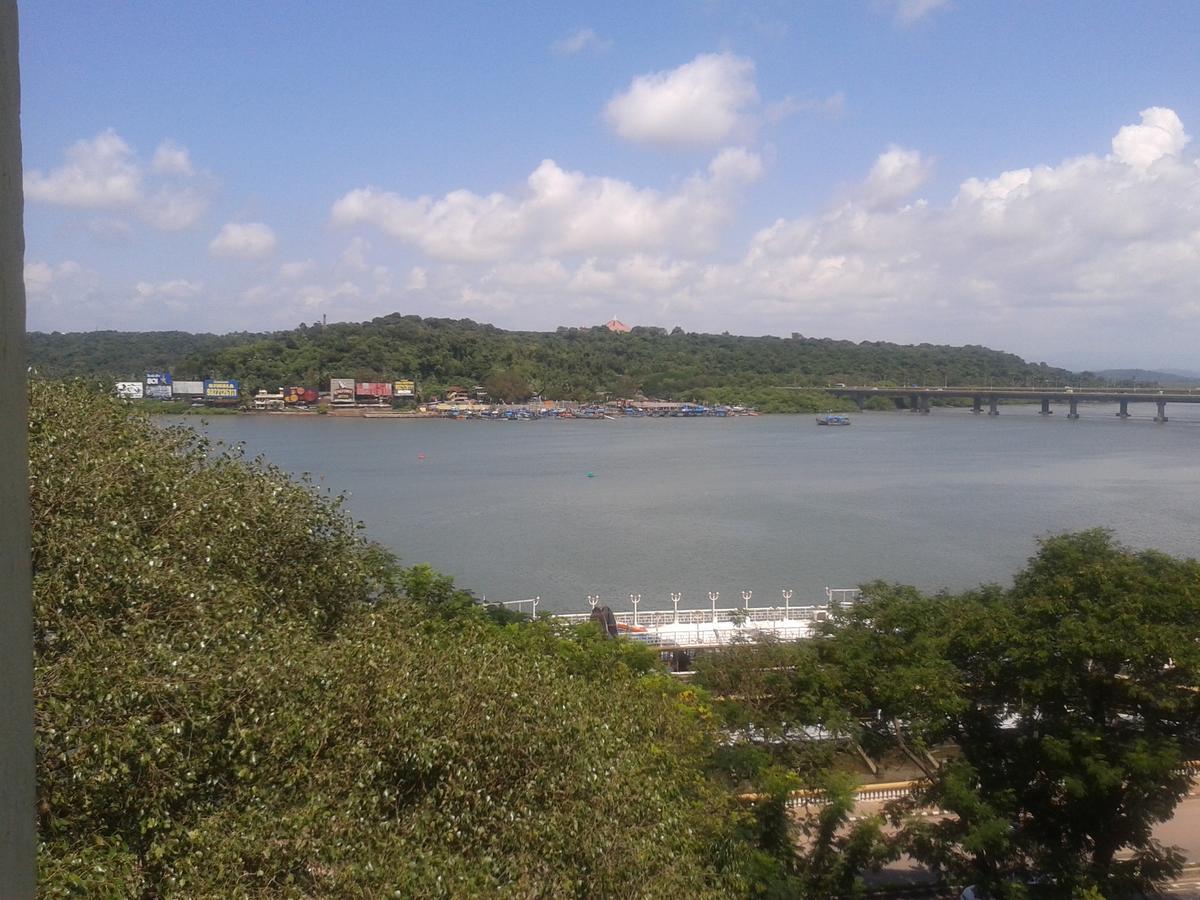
{"x": 919, "y": 399}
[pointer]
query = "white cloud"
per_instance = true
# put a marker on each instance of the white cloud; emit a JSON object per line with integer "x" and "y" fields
{"x": 104, "y": 173}
{"x": 560, "y": 212}
{"x": 174, "y": 208}
{"x": 1095, "y": 252}
{"x": 59, "y": 295}
{"x": 100, "y": 173}
{"x": 172, "y": 159}
{"x": 580, "y": 40}
{"x": 896, "y": 174}
{"x": 244, "y": 240}
{"x": 701, "y": 103}
{"x": 418, "y": 279}
{"x": 911, "y": 11}
{"x": 735, "y": 166}
{"x": 833, "y": 107}
{"x": 1105, "y": 238}
{"x": 175, "y": 289}
{"x": 354, "y": 257}
{"x": 292, "y": 271}
{"x": 1160, "y": 134}
{"x": 1093, "y": 246}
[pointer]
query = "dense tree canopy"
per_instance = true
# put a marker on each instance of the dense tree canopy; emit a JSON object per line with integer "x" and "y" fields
{"x": 237, "y": 695}
{"x": 1063, "y": 709}
{"x": 569, "y": 363}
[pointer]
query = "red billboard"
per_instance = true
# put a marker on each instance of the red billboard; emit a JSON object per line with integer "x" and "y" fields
{"x": 373, "y": 389}
{"x": 299, "y": 395}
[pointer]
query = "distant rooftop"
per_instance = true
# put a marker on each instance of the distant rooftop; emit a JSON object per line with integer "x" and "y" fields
{"x": 616, "y": 325}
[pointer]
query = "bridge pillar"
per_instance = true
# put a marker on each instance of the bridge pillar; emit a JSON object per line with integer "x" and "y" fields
{"x": 861, "y": 400}
{"x": 1046, "y": 411}
{"x": 1124, "y": 413}
{"x": 993, "y": 406}
{"x": 977, "y": 405}
{"x": 1074, "y": 413}
{"x": 914, "y": 402}
{"x": 924, "y": 404}
{"x": 1162, "y": 411}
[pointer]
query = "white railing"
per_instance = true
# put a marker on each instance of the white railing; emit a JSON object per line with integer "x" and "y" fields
{"x": 718, "y": 626}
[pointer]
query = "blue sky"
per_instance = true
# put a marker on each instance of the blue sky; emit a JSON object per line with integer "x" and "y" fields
{"x": 1014, "y": 174}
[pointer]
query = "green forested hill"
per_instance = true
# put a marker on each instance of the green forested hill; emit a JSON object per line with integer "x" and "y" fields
{"x": 568, "y": 363}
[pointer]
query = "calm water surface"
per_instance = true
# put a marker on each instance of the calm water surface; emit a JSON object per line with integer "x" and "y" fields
{"x": 948, "y": 500}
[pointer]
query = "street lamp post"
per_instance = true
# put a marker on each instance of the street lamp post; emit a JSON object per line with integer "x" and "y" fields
{"x": 712, "y": 597}
{"x": 635, "y": 599}
{"x": 787, "y": 603}
{"x": 746, "y": 595}
{"x": 675, "y": 598}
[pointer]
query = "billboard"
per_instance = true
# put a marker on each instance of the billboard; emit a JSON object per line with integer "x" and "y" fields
{"x": 404, "y": 388}
{"x": 188, "y": 388}
{"x": 158, "y": 391}
{"x": 299, "y": 395}
{"x": 373, "y": 389}
{"x": 157, "y": 379}
{"x": 129, "y": 390}
{"x": 221, "y": 389}
{"x": 341, "y": 390}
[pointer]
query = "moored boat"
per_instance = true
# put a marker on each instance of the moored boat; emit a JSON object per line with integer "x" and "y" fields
{"x": 833, "y": 419}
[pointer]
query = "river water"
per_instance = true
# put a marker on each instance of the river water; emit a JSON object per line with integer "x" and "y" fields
{"x": 564, "y": 509}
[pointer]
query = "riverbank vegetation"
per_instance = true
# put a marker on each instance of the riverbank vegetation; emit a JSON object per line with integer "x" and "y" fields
{"x": 567, "y": 364}
{"x": 238, "y": 694}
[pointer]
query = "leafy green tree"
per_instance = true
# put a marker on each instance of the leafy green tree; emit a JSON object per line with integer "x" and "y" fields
{"x": 237, "y": 695}
{"x": 1071, "y": 697}
{"x": 507, "y": 386}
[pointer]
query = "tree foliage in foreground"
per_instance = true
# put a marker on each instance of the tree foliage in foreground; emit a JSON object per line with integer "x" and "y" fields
{"x": 231, "y": 702}
{"x": 1070, "y": 698}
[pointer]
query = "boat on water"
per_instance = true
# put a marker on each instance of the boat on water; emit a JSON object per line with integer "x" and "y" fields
{"x": 833, "y": 419}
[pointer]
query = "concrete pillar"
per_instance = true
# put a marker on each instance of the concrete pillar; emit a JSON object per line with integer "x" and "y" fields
{"x": 977, "y": 405}
{"x": 861, "y": 400}
{"x": 1162, "y": 411}
{"x": 1046, "y": 411}
{"x": 914, "y": 402}
{"x": 924, "y": 404}
{"x": 993, "y": 406}
{"x": 1074, "y": 413}
{"x": 1124, "y": 413}
{"x": 18, "y": 840}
